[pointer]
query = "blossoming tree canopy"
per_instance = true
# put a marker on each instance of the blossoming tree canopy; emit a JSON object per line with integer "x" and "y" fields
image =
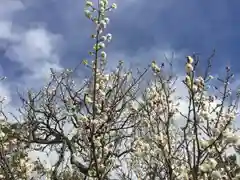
{"x": 125, "y": 124}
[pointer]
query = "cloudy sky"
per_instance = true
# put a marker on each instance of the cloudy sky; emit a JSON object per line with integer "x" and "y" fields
{"x": 36, "y": 35}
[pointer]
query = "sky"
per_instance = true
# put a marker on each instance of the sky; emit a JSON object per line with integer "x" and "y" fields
{"x": 36, "y": 35}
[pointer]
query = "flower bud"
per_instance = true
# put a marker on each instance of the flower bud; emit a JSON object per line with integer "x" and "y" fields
{"x": 188, "y": 68}
{"x": 103, "y": 38}
{"x": 89, "y": 4}
{"x": 103, "y": 24}
{"x": 109, "y": 37}
{"x": 101, "y": 45}
{"x": 114, "y": 6}
{"x": 189, "y": 59}
{"x": 102, "y": 4}
{"x": 103, "y": 55}
{"x": 107, "y": 20}
{"x": 87, "y": 13}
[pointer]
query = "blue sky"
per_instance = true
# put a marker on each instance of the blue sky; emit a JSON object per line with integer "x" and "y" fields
{"x": 36, "y": 35}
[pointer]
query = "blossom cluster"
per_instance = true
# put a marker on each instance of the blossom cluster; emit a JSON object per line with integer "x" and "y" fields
{"x": 114, "y": 126}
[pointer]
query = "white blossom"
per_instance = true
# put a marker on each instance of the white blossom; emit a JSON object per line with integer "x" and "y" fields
{"x": 216, "y": 175}
{"x": 109, "y": 37}
{"x": 114, "y": 6}
{"x": 89, "y": 4}
{"x": 101, "y": 45}
{"x": 188, "y": 68}
{"x": 103, "y": 55}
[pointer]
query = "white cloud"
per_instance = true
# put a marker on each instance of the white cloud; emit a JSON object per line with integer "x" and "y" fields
{"x": 5, "y": 30}
{"x": 36, "y": 50}
{"x": 7, "y": 9}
